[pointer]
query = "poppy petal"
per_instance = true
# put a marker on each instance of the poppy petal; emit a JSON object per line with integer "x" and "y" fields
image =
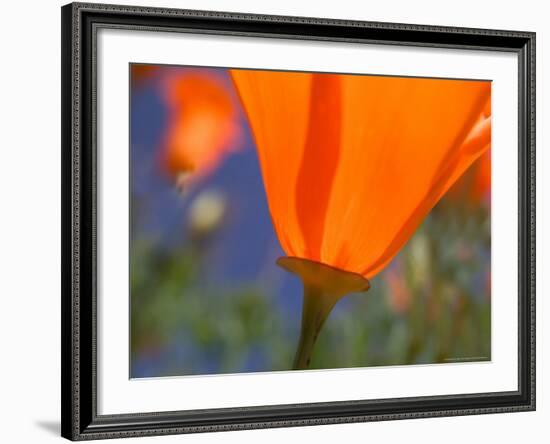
{"x": 319, "y": 161}
{"x": 277, "y": 106}
{"x": 402, "y": 146}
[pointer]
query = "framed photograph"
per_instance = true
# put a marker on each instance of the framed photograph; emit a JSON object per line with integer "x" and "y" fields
{"x": 281, "y": 221}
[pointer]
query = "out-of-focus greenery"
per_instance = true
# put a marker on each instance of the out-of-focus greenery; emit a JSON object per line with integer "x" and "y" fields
{"x": 431, "y": 305}
{"x": 220, "y": 329}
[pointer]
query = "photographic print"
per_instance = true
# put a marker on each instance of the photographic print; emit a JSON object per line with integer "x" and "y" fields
{"x": 284, "y": 220}
{"x": 273, "y": 221}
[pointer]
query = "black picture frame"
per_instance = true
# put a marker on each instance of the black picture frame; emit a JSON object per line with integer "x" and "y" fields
{"x": 80, "y": 22}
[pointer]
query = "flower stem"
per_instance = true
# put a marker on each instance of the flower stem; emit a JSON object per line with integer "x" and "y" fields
{"x": 316, "y": 308}
{"x": 324, "y": 286}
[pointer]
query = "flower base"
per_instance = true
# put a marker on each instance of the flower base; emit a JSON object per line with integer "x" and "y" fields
{"x": 324, "y": 286}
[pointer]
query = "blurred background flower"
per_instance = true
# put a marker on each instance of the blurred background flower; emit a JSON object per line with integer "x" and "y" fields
{"x": 206, "y": 295}
{"x": 203, "y": 125}
{"x": 206, "y": 213}
{"x": 399, "y": 294}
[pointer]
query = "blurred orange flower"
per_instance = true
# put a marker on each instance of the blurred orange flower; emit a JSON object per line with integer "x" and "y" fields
{"x": 142, "y": 73}
{"x": 203, "y": 125}
{"x": 352, "y": 164}
{"x": 399, "y": 295}
{"x": 481, "y": 188}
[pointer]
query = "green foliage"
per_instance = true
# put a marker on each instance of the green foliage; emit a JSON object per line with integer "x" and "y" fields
{"x": 186, "y": 326}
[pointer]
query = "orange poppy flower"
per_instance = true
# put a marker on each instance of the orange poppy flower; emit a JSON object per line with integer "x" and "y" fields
{"x": 351, "y": 166}
{"x": 203, "y": 125}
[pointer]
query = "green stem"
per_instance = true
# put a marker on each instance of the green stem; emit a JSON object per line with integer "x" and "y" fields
{"x": 316, "y": 308}
{"x": 324, "y": 285}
